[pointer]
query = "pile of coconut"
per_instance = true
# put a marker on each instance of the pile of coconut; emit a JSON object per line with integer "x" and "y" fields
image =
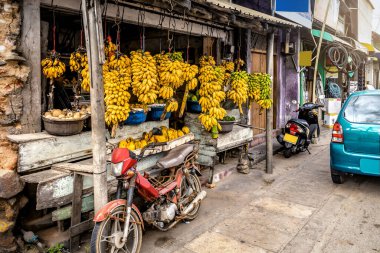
{"x": 66, "y": 114}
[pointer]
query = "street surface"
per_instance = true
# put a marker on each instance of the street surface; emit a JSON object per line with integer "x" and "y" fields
{"x": 301, "y": 211}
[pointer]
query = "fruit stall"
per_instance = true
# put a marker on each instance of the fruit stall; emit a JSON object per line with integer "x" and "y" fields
{"x": 160, "y": 72}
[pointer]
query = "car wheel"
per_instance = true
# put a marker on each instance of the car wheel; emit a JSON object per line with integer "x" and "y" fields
{"x": 337, "y": 178}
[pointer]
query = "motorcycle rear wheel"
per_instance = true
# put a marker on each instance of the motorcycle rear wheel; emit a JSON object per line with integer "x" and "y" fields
{"x": 103, "y": 240}
{"x": 287, "y": 153}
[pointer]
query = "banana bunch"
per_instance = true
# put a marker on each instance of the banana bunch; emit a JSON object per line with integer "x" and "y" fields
{"x": 238, "y": 92}
{"x": 254, "y": 86}
{"x": 209, "y": 122}
{"x": 109, "y": 47}
{"x": 265, "y": 91}
{"x": 52, "y": 67}
{"x": 117, "y": 81}
{"x": 172, "y": 106}
{"x": 189, "y": 75}
{"x": 144, "y": 77}
{"x": 207, "y": 61}
{"x": 229, "y": 66}
{"x": 85, "y": 73}
{"x": 78, "y": 60}
{"x": 171, "y": 75}
{"x": 211, "y": 80}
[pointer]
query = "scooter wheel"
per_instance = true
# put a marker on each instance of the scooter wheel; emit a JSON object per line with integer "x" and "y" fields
{"x": 287, "y": 153}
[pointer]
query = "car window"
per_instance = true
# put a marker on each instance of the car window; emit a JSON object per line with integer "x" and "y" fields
{"x": 363, "y": 109}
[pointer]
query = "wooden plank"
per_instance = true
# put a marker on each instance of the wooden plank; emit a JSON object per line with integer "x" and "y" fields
{"x": 73, "y": 167}
{"x": 22, "y": 138}
{"x": 43, "y": 176}
{"x": 41, "y": 150}
{"x": 64, "y": 213}
{"x": 76, "y": 209}
{"x": 81, "y": 227}
{"x": 237, "y": 136}
{"x": 31, "y": 49}
{"x": 151, "y": 18}
{"x": 57, "y": 191}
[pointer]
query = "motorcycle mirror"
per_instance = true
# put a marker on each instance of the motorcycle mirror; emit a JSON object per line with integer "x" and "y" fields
{"x": 294, "y": 102}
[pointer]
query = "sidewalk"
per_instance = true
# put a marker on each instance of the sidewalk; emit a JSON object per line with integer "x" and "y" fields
{"x": 245, "y": 213}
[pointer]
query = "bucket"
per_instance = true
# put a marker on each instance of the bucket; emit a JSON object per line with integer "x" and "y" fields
{"x": 227, "y": 126}
{"x": 155, "y": 113}
{"x": 135, "y": 117}
{"x": 63, "y": 127}
{"x": 193, "y": 106}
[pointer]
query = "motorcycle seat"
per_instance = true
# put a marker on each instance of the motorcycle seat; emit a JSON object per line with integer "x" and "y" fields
{"x": 301, "y": 122}
{"x": 175, "y": 156}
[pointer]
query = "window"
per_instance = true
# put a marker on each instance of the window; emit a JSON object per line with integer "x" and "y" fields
{"x": 363, "y": 109}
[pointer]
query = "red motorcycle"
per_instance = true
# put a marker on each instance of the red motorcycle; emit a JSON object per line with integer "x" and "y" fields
{"x": 173, "y": 195}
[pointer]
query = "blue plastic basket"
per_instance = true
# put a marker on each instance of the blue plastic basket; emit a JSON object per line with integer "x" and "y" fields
{"x": 193, "y": 106}
{"x": 155, "y": 113}
{"x": 135, "y": 118}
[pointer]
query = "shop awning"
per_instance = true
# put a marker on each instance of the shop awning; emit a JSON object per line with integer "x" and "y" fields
{"x": 329, "y": 37}
{"x": 368, "y": 46}
{"x": 251, "y": 13}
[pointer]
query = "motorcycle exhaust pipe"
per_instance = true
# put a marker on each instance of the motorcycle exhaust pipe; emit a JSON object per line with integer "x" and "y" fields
{"x": 198, "y": 198}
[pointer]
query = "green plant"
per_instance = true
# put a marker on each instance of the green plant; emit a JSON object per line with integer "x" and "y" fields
{"x": 56, "y": 248}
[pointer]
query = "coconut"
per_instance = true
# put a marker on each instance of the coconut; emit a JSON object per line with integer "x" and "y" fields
{"x": 61, "y": 116}
{"x": 69, "y": 115}
{"x": 56, "y": 112}
{"x": 77, "y": 115}
{"x": 46, "y": 114}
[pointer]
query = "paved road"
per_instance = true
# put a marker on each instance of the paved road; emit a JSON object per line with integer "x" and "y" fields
{"x": 301, "y": 211}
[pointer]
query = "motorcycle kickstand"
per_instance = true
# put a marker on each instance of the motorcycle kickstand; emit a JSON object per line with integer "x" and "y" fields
{"x": 307, "y": 149}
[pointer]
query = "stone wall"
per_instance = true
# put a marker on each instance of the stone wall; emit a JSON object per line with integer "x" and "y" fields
{"x": 13, "y": 76}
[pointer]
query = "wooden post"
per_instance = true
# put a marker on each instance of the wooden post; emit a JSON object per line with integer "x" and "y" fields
{"x": 269, "y": 120}
{"x": 31, "y": 50}
{"x": 76, "y": 209}
{"x": 95, "y": 52}
{"x": 319, "y": 51}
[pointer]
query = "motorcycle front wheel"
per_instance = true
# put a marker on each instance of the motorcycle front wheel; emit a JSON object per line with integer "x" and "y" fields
{"x": 185, "y": 188}
{"x": 107, "y": 235}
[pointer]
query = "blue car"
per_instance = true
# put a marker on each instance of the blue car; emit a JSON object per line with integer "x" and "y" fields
{"x": 355, "y": 143}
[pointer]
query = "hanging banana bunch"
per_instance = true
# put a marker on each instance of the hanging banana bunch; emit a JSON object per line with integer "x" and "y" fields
{"x": 229, "y": 67}
{"x": 238, "y": 92}
{"x": 265, "y": 81}
{"x": 211, "y": 80}
{"x": 189, "y": 74}
{"x": 254, "y": 86}
{"x": 170, "y": 72}
{"x": 52, "y": 66}
{"x": 117, "y": 81}
{"x": 144, "y": 77}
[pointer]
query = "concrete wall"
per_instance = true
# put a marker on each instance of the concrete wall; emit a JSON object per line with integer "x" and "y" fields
{"x": 288, "y": 81}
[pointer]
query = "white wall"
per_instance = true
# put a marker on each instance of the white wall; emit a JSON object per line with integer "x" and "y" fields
{"x": 365, "y": 13}
{"x": 376, "y": 16}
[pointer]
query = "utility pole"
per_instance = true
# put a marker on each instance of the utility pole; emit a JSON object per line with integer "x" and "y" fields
{"x": 269, "y": 121}
{"x": 319, "y": 51}
{"x": 95, "y": 52}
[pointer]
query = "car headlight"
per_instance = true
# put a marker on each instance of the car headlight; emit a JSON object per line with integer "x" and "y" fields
{"x": 117, "y": 168}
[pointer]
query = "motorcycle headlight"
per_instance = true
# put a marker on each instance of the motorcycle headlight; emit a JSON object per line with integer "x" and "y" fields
{"x": 117, "y": 168}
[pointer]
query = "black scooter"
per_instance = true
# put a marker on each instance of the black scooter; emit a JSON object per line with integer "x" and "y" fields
{"x": 299, "y": 133}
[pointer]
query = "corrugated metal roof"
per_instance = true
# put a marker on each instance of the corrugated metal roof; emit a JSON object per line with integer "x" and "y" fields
{"x": 251, "y": 13}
